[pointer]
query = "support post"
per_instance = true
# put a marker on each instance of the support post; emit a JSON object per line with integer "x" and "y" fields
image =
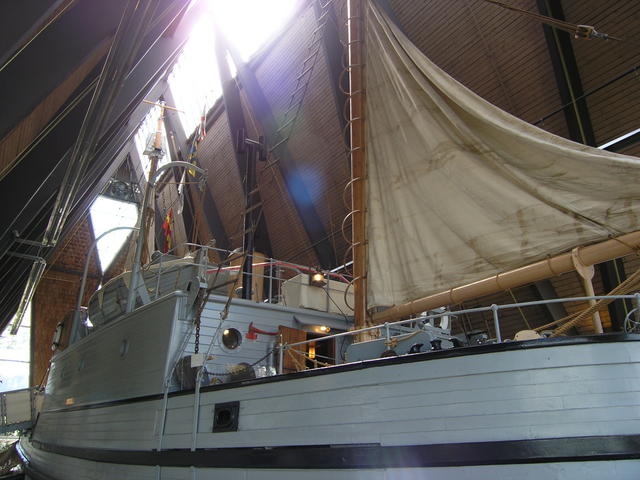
{"x": 586, "y": 272}
{"x": 496, "y": 323}
{"x": 281, "y": 359}
{"x": 355, "y": 15}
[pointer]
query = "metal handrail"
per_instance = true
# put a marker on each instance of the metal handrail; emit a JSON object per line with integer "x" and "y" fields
{"x": 493, "y": 308}
{"x": 268, "y": 262}
{"x": 83, "y": 282}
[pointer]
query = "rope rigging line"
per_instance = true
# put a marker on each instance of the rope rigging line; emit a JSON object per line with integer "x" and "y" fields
{"x": 579, "y": 31}
{"x": 632, "y": 70}
{"x": 629, "y": 285}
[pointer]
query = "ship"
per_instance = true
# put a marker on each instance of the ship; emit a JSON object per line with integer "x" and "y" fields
{"x": 169, "y": 374}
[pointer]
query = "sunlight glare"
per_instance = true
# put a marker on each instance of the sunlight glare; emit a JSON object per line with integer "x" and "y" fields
{"x": 247, "y": 24}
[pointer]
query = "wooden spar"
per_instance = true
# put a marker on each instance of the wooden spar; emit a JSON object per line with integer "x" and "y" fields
{"x": 162, "y": 106}
{"x": 149, "y": 207}
{"x": 355, "y": 14}
{"x": 146, "y": 214}
{"x": 589, "y": 255}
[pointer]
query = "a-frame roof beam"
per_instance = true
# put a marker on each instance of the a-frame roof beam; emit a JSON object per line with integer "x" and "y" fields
{"x": 290, "y": 172}
{"x": 567, "y": 75}
{"x": 208, "y": 212}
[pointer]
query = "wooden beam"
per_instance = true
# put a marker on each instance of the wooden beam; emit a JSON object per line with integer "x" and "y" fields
{"x": 613, "y": 274}
{"x": 333, "y": 51}
{"x": 544, "y": 290}
{"x": 289, "y": 170}
{"x": 205, "y": 212}
{"x": 567, "y": 75}
{"x": 236, "y": 122}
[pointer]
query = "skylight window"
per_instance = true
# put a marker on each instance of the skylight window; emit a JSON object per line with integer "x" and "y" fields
{"x": 108, "y": 213}
{"x": 247, "y": 24}
{"x": 194, "y": 80}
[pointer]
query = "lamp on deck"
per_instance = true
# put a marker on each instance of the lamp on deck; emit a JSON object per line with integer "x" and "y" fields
{"x": 317, "y": 279}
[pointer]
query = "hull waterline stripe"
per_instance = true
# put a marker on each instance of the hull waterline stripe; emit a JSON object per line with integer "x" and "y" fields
{"x": 567, "y": 449}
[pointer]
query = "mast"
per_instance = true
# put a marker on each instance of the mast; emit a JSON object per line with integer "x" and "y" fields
{"x": 355, "y": 14}
{"x": 155, "y": 154}
{"x": 146, "y": 213}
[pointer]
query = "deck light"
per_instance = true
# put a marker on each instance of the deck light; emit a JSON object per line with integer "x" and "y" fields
{"x": 317, "y": 279}
{"x": 321, "y": 329}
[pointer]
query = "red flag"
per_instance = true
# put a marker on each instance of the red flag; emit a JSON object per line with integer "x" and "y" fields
{"x": 167, "y": 229}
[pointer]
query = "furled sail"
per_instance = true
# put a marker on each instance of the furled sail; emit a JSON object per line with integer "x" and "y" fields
{"x": 459, "y": 190}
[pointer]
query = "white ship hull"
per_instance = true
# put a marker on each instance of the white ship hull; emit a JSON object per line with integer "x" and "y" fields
{"x": 564, "y": 408}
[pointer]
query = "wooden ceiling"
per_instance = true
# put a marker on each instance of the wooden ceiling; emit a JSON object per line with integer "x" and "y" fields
{"x": 502, "y": 55}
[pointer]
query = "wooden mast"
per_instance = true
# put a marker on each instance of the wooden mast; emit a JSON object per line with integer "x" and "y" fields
{"x": 148, "y": 213}
{"x": 355, "y": 14}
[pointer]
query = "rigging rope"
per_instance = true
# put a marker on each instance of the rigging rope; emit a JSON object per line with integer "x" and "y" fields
{"x": 579, "y": 31}
{"x": 629, "y": 285}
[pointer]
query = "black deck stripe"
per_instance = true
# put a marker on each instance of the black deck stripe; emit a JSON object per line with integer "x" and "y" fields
{"x": 380, "y": 362}
{"x": 567, "y": 449}
{"x": 36, "y": 474}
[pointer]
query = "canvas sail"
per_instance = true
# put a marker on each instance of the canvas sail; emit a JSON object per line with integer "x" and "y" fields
{"x": 459, "y": 190}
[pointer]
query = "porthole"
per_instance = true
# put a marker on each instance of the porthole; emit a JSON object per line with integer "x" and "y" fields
{"x": 124, "y": 347}
{"x": 231, "y": 338}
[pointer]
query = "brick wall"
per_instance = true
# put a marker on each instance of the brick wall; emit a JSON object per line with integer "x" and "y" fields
{"x": 57, "y": 293}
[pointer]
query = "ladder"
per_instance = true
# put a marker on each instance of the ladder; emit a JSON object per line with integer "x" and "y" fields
{"x": 303, "y": 79}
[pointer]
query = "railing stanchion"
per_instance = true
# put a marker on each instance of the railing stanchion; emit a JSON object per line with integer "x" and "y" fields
{"x": 271, "y": 280}
{"x": 159, "y": 275}
{"x": 281, "y": 359}
{"x": 496, "y": 323}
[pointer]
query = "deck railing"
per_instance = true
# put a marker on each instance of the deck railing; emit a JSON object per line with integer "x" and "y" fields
{"x": 276, "y": 272}
{"x": 631, "y": 322}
